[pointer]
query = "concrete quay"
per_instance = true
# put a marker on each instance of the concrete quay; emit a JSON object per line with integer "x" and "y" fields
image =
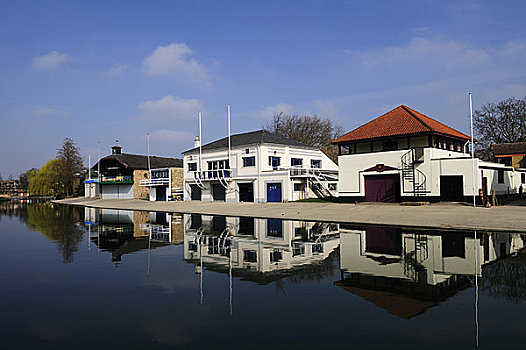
{"x": 439, "y": 215}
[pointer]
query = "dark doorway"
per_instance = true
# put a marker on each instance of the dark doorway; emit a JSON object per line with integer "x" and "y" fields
{"x": 382, "y": 188}
{"x": 274, "y": 192}
{"x": 160, "y": 193}
{"x": 195, "y": 192}
{"x": 218, "y": 192}
{"x": 246, "y": 192}
{"x": 451, "y": 188}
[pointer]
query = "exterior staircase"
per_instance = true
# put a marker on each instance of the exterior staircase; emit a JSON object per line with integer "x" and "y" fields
{"x": 413, "y": 179}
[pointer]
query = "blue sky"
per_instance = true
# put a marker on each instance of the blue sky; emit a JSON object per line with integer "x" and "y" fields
{"x": 106, "y": 70}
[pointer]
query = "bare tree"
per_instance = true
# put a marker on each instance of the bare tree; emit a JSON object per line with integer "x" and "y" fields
{"x": 501, "y": 123}
{"x": 310, "y": 130}
{"x": 70, "y": 154}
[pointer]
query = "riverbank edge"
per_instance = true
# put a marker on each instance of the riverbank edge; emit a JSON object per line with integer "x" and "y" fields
{"x": 436, "y": 216}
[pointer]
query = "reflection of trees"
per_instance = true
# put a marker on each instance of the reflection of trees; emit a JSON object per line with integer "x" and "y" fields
{"x": 505, "y": 279}
{"x": 58, "y": 224}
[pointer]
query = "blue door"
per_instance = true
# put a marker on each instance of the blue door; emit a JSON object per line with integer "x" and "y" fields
{"x": 274, "y": 192}
{"x": 160, "y": 193}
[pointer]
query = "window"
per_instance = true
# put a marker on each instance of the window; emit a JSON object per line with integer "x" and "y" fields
{"x": 159, "y": 174}
{"x": 299, "y": 187}
{"x": 249, "y": 161}
{"x": 390, "y": 145}
{"x": 276, "y": 255}
{"x": 333, "y": 186}
{"x": 250, "y": 256}
{"x": 315, "y": 163}
{"x": 296, "y": 162}
{"x": 523, "y": 178}
{"x": 274, "y": 162}
{"x": 500, "y": 179}
{"x": 192, "y": 166}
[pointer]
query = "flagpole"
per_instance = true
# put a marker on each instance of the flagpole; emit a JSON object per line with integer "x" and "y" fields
{"x": 229, "y": 145}
{"x": 148, "y": 146}
{"x": 472, "y": 147}
{"x": 200, "y": 143}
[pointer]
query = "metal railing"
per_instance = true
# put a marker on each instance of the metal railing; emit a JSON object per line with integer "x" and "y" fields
{"x": 205, "y": 175}
{"x": 118, "y": 178}
{"x": 154, "y": 182}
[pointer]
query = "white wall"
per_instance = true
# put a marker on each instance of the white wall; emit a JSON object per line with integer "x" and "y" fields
{"x": 260, "y": 174}
{"x": 436, "y": 163}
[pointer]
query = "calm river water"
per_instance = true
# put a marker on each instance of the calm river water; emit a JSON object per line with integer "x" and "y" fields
{"x": 79, "y": 278}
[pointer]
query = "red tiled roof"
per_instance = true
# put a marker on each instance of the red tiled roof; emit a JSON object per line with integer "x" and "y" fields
{"x": 400, "y": 121}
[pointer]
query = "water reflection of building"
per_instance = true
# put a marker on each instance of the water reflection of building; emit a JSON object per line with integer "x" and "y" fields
{"x": 254, "y": 246}
{"x": 124, "y": 231}
{"x": 407, "y": 271}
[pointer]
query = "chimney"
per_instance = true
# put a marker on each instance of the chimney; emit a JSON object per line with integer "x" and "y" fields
{"x": 116, "y": 149}
{"x": 197, "y": 142}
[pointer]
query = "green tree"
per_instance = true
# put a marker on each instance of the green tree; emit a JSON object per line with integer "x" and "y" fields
{"x": 48, "y": 180}
{"x": 310, "y": 130}
{"x": 501, "y": 123}
{"x": 69, "y": 153}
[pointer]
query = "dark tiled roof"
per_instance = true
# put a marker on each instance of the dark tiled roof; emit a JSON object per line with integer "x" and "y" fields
{"x": 137, "y": 161}
{"x": 250, "y": 138}
{"x": 400, "y": 121}
{"x": 509, "y": 148}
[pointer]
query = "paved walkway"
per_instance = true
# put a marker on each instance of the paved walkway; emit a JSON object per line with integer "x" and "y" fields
{"x": 439, "y": 215}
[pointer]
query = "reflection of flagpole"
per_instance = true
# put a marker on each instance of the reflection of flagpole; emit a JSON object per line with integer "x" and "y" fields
{"x": 476, "y": 291}
{"x": 201, "y": 275}
{"x": 230, "y": 275}
{"x": 149, "y": 239}
{"x": 89, "y": 237}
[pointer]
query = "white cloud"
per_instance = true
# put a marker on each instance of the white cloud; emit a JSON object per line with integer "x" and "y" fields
{"x": 50, "y": 60}
{"x": 114, "y": 71}
{"x": 171, "y": 109}
{"x": 326, "y": 109}
{"x": 171, "y": 136}
{"x": 271, "y": 110}
{"x": 45, "y": 111}
{"x": 175, "y": 59}
{"x": 449, "y": 53}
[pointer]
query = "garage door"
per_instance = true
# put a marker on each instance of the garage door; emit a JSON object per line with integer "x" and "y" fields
{"x": 382, "y": 188}
{"x": 451, "y": 188}
{"x": 117, "y": 191}
{"x": 218, "y": 192}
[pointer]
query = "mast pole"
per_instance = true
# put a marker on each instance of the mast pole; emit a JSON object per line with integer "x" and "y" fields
{"x": 472, "y": 147}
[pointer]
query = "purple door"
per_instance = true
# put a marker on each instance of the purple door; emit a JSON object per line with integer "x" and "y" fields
{"x": 382, "y": 188}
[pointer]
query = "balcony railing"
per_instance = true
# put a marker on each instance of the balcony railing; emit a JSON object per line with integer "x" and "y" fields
{"x": 306, "y": 172}
{"x": 118, "y": 179}
{"x": 155, "y": 182}
{"x": 207, "y": 175}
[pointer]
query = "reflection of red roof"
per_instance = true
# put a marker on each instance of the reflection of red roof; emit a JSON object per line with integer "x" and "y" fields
{"x": 398, "y": 305}
{"x": 400, "y": 121}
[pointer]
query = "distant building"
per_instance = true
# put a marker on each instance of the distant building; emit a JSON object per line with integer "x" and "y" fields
{"x": 259, "y": 167}
{"x": 511, "y": 154}
{"x": 405, "y": 155}
{"x": 126, "y": 176}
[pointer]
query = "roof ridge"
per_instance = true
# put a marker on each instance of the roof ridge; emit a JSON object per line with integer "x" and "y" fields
{"x": 412, "y": 112}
